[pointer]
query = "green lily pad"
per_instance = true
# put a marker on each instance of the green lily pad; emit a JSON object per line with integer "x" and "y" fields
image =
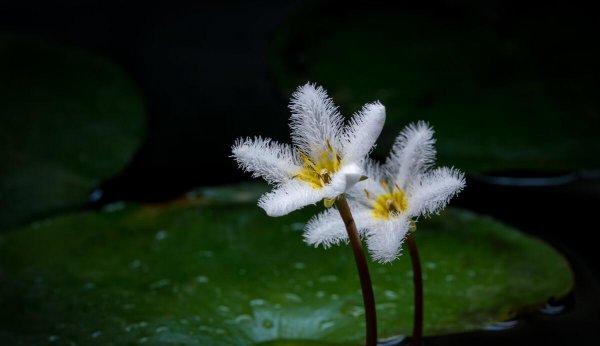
{"x": 69, "y": 120}
{"x": 191, "y": 272}
{"x": 497, "y": 100}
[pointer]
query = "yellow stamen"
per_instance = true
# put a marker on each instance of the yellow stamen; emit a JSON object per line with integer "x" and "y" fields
{"x": 390, "y": 203}
{"x": 329, "y": 146}
{"x": 384, "y": 184}
{"x": 317, "y": 171}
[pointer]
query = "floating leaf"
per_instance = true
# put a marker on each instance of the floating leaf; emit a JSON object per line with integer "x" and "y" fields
{"x": 194, "y": 273}
{"x": 69, "y": 120}
{"x": 497, "y": 100}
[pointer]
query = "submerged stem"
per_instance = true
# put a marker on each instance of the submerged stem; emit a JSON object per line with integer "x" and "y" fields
{"x": 418, "y": 287}
{"x": 363, "y": 270}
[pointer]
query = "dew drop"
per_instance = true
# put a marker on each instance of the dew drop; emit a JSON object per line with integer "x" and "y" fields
{"x": 354, "y": 311}
{"x": 431, "y": 265}
{"x": 89, "y": 286}
{"x": 206, "y": 253}
{"x": 299, "y": 265}
{"x": 293, "y": 297}
{"x": 96, "y": 195}
{"x": 324, "y": 325}
{"x": 135, "y": 264}
{"x": 391, "y": 295}
{"x": 386, "y": 306}
{"x": 201, "y": 279}
{"x": 160, "y": 284}
{"x": 328, "y": 278}
{"x": 53, "y": 338}
{"x": 161, "y": 329}
{"x": 96, "y": 334}
{"x": 206, "y": 329}
{"x": 161, "y": 235}
{"x": 114, "y": 207}
{"x": 257, "y": 302}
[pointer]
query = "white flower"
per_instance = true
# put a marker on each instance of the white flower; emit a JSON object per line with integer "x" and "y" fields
{"x": 325, "y": 159}
{"x": 395, "y": 194}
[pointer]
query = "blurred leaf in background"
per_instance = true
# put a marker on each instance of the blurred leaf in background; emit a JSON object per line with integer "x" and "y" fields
{"x": 504, "y": 90}
{"x": 69, "y": 120}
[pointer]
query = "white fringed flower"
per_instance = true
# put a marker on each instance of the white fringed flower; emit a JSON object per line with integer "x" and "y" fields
{"x": 395, "y": 194}
{"x": 325, "y": 160}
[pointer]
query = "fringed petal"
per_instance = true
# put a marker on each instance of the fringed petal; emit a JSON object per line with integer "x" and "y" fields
{"x": 433, "y": 191}
{"x": 412, "y": 154}
{"x": 384, "y": 239}
{"x": 363, "y": 131}
{"x": 265, "y": 158}
{"x": 314, "y": 120}
{"x": 290, "y": 196}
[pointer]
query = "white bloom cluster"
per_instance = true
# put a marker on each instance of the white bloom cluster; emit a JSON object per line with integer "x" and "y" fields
{"x": 329, "y": 159}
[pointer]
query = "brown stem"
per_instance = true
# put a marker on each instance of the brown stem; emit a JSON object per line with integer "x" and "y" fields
{"x": 418, "y": 285}
{"x": 363, "y": 270}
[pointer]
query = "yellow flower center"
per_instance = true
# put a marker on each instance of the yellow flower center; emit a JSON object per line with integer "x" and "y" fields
{"x": 318, "y": 171}
{"x": 387, "y": 204}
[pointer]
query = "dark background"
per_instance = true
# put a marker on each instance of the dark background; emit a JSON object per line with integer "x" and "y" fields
{"x": 203, "y": 70}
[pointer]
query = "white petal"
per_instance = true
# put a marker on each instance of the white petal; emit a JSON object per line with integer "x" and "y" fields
{"x": 434, "y": 190}
{"x": 362, "y": 132}
{"x": 385, "y": 239}
{"x": 265, "y": 158}
{"x": 290, "y": 196}
{"x": 314, "y": 120}
{"x": 327, "y": 228}
{"x": 344, "y": 179}
{"x": 412, "y": 154}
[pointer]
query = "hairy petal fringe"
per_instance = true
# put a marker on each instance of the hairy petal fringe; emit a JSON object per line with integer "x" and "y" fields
{"x": 385, "y": 239}
{"x": 412, "y": 154}
{"x": 265, "y": 158}
{"x": 433, "y": 191}
{"x": 314, "y": 120}
{"x": 290, "y": 196}
{"x": 362, "y": 132}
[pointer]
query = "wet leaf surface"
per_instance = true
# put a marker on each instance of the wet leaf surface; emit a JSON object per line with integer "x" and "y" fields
{"x": 196, "y": 272}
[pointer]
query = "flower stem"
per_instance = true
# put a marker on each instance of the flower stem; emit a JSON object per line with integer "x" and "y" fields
{"x": 363, "y": 270}
{"x": 418, "y": 286}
